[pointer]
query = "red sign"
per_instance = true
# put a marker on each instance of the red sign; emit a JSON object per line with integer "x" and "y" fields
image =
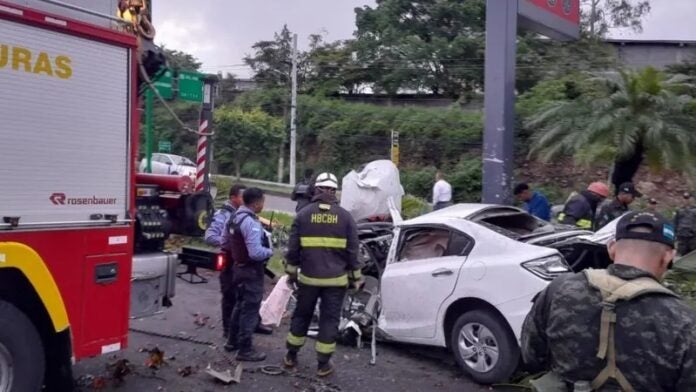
{"x": 566, "y": 9}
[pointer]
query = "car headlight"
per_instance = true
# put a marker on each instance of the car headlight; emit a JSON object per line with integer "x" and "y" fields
{"x": 547, "y": 268}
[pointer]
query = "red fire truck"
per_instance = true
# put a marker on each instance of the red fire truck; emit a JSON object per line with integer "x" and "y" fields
{"x": 69, "y": 128}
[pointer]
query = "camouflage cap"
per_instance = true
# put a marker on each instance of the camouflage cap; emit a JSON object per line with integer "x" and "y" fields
{"x": 660, "y": 229}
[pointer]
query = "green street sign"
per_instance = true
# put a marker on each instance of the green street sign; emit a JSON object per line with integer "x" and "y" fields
{"x": 165, "y": 146}
{"x": 164, "y": 85}
{"x": 191, "y": 86}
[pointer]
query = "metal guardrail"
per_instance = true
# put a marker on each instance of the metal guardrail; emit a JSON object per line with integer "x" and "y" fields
{"x": 250, "y": 181}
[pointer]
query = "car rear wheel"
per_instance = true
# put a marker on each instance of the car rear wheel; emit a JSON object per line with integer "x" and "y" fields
{"x": 484, "y": 347}
{"x": 22, "y": 361}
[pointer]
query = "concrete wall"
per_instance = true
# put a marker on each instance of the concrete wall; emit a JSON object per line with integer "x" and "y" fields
{"x": 636, "y": 54}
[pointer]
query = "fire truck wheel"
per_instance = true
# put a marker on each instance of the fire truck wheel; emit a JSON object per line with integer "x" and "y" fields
{"x": 22, "y": 361}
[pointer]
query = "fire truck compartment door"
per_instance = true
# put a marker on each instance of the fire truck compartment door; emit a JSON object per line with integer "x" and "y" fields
{"x": 105, "y": 308}
{"x": 65, "y": 127}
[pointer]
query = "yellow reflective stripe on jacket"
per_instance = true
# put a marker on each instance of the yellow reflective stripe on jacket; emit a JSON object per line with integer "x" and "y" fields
{"x": 293, "y": 340}
{"x": 584, "y": 224}
{"x": 325, "y": 348}
{"x": 323, "y": 242}
{"x": 355, "y": 274}
{"x": 290, "y": 269}
{"x": 340, "y": 281}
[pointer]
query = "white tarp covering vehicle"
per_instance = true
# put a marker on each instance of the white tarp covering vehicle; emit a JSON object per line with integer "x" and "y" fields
{"x": 364, "y": 193}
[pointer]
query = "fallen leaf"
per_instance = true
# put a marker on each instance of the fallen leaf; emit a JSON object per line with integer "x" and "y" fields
{"x": 121, "y": 369}
{"x": 156, "y": 358}
{"x": 98, "y": 383}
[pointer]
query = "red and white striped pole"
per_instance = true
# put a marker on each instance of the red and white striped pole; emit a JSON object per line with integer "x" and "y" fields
{"x": 202, "y": 158}
{"x": 204, "y": 146}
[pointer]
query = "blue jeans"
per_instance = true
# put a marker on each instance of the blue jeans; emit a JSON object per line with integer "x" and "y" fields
{"x": 245, "y": 317}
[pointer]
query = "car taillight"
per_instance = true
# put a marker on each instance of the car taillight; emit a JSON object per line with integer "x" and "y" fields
{"x": 220, "y": 262}
{"x": 547, "y": 268}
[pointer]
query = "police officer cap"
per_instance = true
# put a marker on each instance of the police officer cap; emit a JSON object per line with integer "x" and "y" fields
{"x": 660, "y": 229}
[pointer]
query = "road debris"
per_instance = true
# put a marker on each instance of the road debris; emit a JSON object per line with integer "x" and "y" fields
{"x": 185, "y": 371}
{"x": 226, "y": 377}
{"x": 200, "y": 320}
{"x": 156, "y": 358}
{"x": 119, "y": 370}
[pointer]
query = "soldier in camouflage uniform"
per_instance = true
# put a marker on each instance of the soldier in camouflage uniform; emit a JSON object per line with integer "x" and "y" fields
{"x": 615, "y": 329}
{"x": 685, "y": 224}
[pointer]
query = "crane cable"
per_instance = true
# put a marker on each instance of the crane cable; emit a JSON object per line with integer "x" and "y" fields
{"x": 143, "y": 28}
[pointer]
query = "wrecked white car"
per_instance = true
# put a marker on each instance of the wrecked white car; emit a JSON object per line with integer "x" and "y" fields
{"x": 464, "y": 278}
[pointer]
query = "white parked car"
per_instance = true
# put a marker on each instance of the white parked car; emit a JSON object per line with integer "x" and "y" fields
{"x": 464, "y": 278}
{"x": 170, "y": 164}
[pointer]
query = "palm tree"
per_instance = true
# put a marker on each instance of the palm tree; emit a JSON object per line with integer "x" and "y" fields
{"x": 627, "y": 118}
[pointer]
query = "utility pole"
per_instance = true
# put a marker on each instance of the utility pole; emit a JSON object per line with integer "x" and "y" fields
{"x": 293, "y": 113}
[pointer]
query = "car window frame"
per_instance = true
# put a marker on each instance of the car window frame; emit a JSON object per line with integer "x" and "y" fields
{"x": 404, "y": 230}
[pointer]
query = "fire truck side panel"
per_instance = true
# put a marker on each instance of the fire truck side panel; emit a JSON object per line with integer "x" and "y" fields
{"x": 97, "y": 301}
{"x": 65, "y": 130}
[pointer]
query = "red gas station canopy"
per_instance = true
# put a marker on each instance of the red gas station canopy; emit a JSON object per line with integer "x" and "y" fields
{"x": 559, "y": 19}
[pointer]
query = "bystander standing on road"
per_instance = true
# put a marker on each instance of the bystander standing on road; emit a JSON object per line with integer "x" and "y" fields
{"x": 322, "y": 259}
{"x": 534, "y": 201}
{"x": 619, "y": 205}
{"x": 250, "y": 250}
{"x": 685, "y": 225}
{"x": 619, "y": 328}
{"x": 442, "y": 192}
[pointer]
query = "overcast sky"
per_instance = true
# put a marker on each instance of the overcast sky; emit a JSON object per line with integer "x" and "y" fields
{"x": 221, "y": 32}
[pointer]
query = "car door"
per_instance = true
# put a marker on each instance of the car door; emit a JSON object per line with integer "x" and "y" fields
{"x": 422, "y": 273}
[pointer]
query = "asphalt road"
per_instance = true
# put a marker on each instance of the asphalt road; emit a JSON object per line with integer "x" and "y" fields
{"x": 280, "y": 203}
{"x": 398, "y": 368}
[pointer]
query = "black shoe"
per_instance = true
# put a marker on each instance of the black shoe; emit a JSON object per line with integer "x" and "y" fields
{"x": 290, "y": 359}
{"x": 229, "y": 347}
{"x": 250, "y": 355}
{"x": 263, "y": 330}
{"x": 325, "y": 369}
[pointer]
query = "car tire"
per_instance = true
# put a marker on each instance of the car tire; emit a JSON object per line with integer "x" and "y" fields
{"x": 493, "y": 354}
{"x": 22, "y": 360}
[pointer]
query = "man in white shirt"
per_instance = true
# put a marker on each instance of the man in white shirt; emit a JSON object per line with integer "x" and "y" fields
{"x": 442, "y": 192}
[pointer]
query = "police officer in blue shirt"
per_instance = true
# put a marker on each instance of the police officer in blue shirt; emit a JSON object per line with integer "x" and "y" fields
{"x": 216, "y": 236}
{"x": 534, "y": 202}
{"x": 250, "y": 250}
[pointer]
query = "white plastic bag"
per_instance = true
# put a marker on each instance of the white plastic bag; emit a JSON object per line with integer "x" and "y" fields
{"x": 273, "y": 308}
{"x": 364, "y": 194}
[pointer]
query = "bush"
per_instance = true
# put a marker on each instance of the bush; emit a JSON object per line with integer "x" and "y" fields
{"x": 465, "y": 178}
{"x": 412, "y": 206}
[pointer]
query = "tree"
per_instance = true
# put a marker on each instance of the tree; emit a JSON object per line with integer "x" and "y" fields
{"x": 181, "y": 61}
{"x": 272, "y": 60}
{"x": 241, "y": 135}
{"x": 629, "y": 117}
{"x": 434, "y": 46}
{"x": 600, "y": 16}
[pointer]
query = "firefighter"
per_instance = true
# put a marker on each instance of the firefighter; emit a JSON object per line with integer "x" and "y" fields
{"x": 303, "y": 191}
{"x": 580, "y": 209}
{"x": 685, "y": 225}
{"x": 323, "y": 246}
{"x": 250, "y": 250}
{"x": 612, "y": 209}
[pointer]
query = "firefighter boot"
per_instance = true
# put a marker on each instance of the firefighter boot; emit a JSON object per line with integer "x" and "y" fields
{"x": 325, "y": 369}
{"x": 290, "y": 359}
